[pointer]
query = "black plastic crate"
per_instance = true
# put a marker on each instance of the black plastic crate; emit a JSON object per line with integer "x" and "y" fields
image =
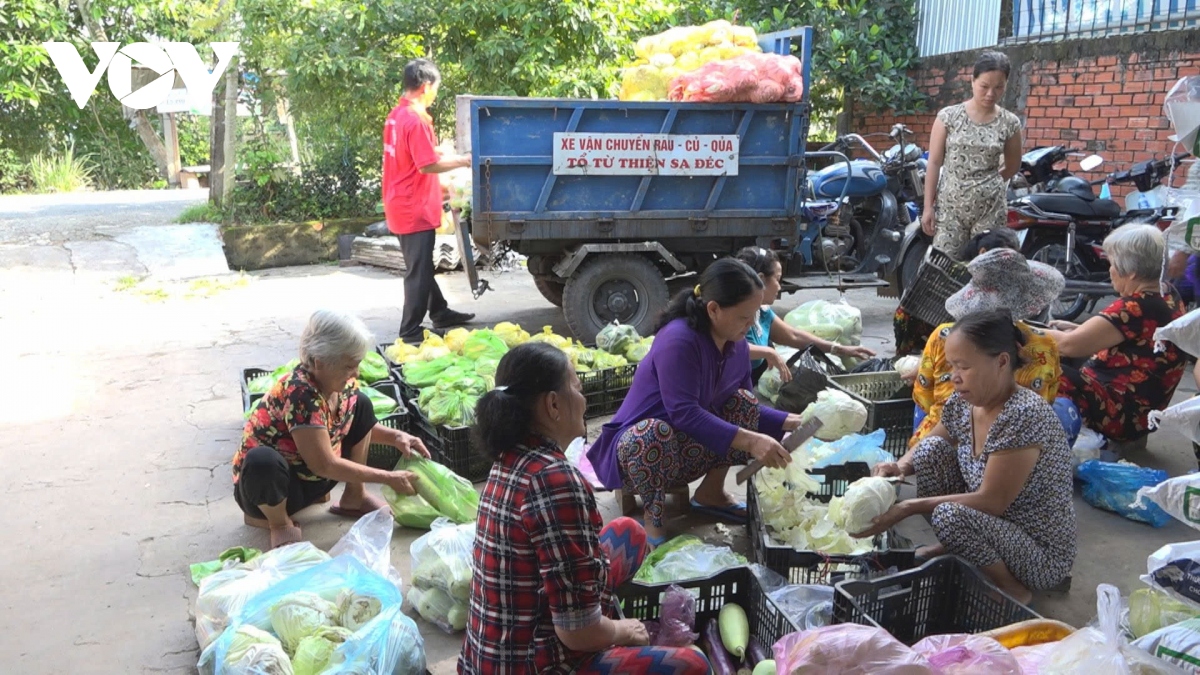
{"x": 248, "y": 398}
{"x": 938, "y": 278}
{"x": 380, "y": 456}
{"x": 605, "y": 390}
{"x": 814, "y": 567}
{"x": 735, "y": 584}
{"x": 889, "y": 403}
{"x": 945, "y": 595}
{"x": 450, "y": 446}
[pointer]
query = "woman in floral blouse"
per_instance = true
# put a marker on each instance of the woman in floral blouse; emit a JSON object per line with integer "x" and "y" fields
{"x": 1125, "y": 378}
{"x": 311, "y": 431}
{"x": 545, "y": 566}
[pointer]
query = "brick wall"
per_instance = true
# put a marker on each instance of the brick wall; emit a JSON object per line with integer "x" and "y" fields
{"x": 1100, "y": 95}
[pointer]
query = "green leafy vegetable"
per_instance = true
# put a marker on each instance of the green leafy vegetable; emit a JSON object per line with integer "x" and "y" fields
{"x": 616, "y": 338}
{"x": 253, "y": 650}
{"x": 314, "y": 652}
{"x": 452, "y": 495}
{"x": 484, "y": 343}
{"x": 372, "y": 368}
{"x": 410, "y": 510}
{"x": 298, "y": 615}
{"x": 382, "y": 403}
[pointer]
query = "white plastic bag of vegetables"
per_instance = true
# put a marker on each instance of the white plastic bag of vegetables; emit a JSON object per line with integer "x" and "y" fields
{"x": 840, "y": 414}
{"x": 223, "y": 594}
{"x": 441, "y": 574}
{"x": 336, "y": 617}
{"x": 836, "y": 321}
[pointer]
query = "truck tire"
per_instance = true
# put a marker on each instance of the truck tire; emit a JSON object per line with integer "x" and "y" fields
{"x": 550, "y": 287}
{"x": 621, "y": 287}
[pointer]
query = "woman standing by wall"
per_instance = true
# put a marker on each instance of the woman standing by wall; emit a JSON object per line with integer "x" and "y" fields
{"x": 974, "y": 149}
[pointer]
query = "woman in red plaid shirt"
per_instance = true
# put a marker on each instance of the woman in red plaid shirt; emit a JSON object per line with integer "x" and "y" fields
{"x": 542, "y": 596}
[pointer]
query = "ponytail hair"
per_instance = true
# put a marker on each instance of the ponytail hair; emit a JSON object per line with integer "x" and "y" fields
{"x": 504, "y": 415}
{"x": 993, "y": 332}
{"x": 727, "y": 282}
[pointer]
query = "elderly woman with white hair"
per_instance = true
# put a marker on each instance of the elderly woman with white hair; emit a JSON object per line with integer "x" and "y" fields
{"x": 311, "y": 431}
{"x": 1125, "y": 378}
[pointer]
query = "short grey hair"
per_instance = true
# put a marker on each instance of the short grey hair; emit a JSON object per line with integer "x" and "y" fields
{"x": 1136, "y": 249}
{"x": 330, "y": 336}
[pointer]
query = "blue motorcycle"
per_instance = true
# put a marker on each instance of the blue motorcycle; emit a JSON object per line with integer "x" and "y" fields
{"x": 861, "y": 207}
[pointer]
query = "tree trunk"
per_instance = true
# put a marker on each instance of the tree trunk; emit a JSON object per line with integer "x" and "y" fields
{"x": 216, "y": 149}
{"x": 230, "y": 140}
{"x": 141, "y": 122}
{"x": 150, "y": 139}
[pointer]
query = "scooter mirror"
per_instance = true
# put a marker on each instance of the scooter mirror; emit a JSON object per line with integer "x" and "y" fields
{"x": 1091, "y": 162}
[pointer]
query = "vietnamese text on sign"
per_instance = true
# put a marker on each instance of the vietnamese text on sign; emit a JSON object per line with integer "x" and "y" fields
{"x": 645, "y": 154}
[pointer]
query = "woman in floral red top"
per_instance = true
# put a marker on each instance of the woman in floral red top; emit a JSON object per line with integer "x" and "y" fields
{"x": 311, "y": 431}
{"x": 1125, "y": 379}
{"x": 545, "y": 570}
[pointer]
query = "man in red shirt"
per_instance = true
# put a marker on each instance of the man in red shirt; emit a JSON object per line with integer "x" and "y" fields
{"x": 412, "y": 198}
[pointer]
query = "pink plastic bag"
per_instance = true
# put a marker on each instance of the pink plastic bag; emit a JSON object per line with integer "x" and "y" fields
{"x": 757, "y": 78}
{"x": 847, "y": 649}
{"x": 967, "y": 654}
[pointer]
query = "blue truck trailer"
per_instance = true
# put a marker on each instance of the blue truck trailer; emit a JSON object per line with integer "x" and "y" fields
{"x": 618, "y": 203}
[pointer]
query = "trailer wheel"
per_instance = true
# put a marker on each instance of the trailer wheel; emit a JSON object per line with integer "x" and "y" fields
{"x": 550, "y": 288}
{"x": 614, "y": 287}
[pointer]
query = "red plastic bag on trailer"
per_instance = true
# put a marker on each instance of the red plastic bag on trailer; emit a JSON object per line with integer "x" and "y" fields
{"x": 756, "y": 78}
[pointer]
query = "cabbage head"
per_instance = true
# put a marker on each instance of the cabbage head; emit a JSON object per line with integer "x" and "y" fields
{"x": 511, "y": 333}
{"x": 253, "y": 650}
{"x": 298, "y": 615}
{"x": 616, "y": 338}
{"x": 355, "y": 610}
{"x": 380, "y": 402}
{"x": 372, "y": 368}
{"x": 839, "y": 413}
{"x": 316, "y": 651}
{"x": 638, "y": 350}
{"x": 484, "y": 343}
{"x": 865, "y": 500}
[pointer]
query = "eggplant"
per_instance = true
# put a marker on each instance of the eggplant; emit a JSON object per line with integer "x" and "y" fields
{"x": 719, "y": 659}
{"x": 755, "y": 653}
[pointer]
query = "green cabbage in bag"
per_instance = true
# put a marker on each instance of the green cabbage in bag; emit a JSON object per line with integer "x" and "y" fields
{"x": 299, "y": 615}
{"x": 253, "y": 650}
{"x": 451, "y": 407}
{"x": 425, "y": 373}
{"x": 484, "y": 343}
{"x": 382, "y": 403}
{"x": 452, "y": 495}
{"x": 604, "y": 360}
{"x": 410, "y": 510}
{"x": 315, "y": 651}
{"x": 372, "y": 368}
{"x": 615, "y": 338}
{"x": 638, "y": 350}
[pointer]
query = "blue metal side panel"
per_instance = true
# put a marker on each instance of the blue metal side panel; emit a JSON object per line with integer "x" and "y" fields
{"x": 512, "y": 141}
{"x": 512, "y": 147}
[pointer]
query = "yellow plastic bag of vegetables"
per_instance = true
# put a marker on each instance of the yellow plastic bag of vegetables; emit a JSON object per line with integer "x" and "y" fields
{"x": 663, "y": 57}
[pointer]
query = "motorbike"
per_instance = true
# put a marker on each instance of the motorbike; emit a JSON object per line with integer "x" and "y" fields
{"x": 1066, "y": 226}
{"x": 860, "y": 207}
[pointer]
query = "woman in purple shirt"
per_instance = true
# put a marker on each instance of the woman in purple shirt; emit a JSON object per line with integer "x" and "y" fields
{"x": 690, "y": 413}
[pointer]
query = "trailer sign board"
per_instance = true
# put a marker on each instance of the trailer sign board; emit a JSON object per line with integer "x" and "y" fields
{"x": 577, "y": 154}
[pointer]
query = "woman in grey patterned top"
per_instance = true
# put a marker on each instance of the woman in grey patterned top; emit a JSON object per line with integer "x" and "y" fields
{"x": 995, "y": 473}
{"x": 974, "y": 149}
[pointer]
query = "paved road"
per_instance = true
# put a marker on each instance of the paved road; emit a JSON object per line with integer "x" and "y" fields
{"x": 123, "y": 410}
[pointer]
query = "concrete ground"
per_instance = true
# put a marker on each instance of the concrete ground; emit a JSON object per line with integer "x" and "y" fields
{"x": 123, "y": 410}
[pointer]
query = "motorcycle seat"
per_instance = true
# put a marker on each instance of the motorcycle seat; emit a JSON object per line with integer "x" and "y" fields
{"x": 1099, "y": 209}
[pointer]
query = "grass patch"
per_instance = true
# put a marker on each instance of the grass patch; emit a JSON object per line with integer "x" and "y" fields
{"x": 60, "y": 172}
{"x": 206, "y": 288}
{"x": 154, "y": 294}
{"x": 126, "y": 282}
{"x": 201, "y": 213}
